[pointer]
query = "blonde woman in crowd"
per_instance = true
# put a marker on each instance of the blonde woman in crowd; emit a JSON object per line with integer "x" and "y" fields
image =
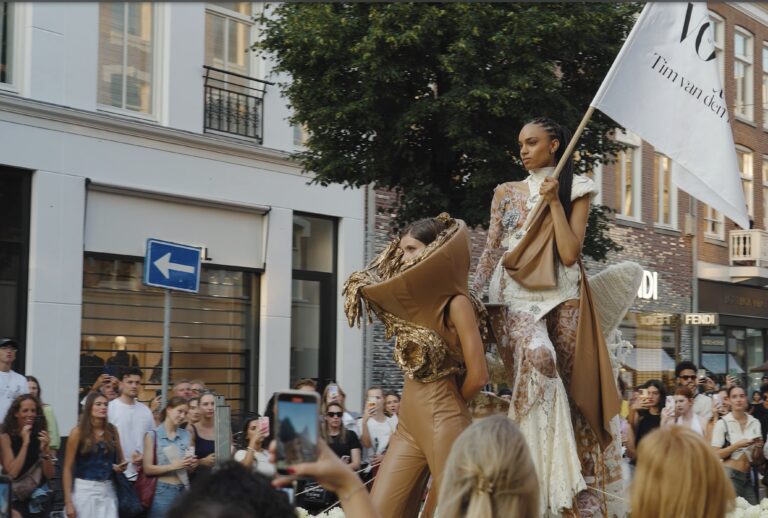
{"x": 490, "y": 474}
{"x": 678, "y": 474}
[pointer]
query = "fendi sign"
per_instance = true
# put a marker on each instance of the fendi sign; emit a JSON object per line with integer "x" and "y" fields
{"x": 700, "y": 319}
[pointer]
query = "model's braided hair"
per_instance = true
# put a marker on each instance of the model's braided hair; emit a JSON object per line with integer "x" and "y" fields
{"x": 562, "y": 135}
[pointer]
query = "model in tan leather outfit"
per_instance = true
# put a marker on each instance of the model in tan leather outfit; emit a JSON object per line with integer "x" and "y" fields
{"x": 414, "y": 299}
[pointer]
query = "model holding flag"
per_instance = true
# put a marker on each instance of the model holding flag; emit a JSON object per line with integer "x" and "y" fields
{"x": 664, "y": 86}
{"x": 539, "y": 281}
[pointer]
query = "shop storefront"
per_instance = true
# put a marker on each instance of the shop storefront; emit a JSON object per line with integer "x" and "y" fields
{"x": 737, "y": 343}
{"x": 655, "y": 337}
{"x": 14, "y": 254}
{"x": 214, "y": 333}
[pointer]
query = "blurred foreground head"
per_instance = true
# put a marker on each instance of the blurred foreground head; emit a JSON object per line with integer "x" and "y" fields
{"x": 679, "y": 474}
{"x": 489, "y": 473}
{"x": 233, "y": 492}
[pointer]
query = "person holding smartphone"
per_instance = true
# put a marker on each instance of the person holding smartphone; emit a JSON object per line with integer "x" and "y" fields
{"x": 738, "y": 442}
{"x": 645, "y": 415}
{"x": 252, "y": 453}
{"x": 23, "y": 443}
{"x": 93, "y": 453}
{"x": 419, "y": 288}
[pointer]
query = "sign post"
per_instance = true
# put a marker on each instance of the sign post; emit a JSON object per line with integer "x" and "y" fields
{"x": 171, "y": 266}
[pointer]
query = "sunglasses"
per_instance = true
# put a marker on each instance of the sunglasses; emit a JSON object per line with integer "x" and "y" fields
{"x": 334, "y": 414}
{"x": 692, "y": 377}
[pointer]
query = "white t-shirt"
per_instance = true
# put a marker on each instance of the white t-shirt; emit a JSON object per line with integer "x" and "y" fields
{"x": 379, "y": 432}
{"x": 729, "y": 424}
{"x": 12, "y": 385}
{"x": 260, "y": 464}
{"x": 702, "y": 406}
{"x": 132, "y": 423}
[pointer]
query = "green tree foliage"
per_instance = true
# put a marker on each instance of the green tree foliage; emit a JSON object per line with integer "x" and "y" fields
{"x": 428, "y": 99}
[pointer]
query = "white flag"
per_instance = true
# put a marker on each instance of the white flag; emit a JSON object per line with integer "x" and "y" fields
{"x": 665, "y": 87}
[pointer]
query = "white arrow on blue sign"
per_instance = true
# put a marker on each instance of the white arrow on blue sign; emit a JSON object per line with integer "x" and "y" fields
{"x": 172, "y": 266}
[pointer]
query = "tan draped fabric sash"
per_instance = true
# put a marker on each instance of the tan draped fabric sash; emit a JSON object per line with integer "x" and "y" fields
{"x": 532, "y": 263}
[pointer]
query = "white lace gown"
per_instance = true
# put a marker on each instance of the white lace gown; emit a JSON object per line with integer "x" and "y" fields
{"x": 540, "y": 405}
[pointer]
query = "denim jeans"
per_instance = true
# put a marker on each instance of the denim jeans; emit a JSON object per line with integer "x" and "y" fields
{"x": 742, "y": 484}
{"x": 165, "y": 497}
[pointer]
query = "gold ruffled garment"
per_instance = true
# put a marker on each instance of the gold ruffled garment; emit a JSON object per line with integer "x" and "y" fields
{"x": 411, "y": 299}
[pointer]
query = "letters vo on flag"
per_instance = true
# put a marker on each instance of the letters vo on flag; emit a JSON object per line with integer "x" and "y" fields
{"x": 665, "y": 86}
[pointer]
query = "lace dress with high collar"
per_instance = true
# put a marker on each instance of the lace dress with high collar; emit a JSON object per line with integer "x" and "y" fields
{"x": 540, "y": 404}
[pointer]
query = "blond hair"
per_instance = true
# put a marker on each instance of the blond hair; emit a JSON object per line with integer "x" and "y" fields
{"x": 489, "y": 473}
{"x": 678, "y": 474}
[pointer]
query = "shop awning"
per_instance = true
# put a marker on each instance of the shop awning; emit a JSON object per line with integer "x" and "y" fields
{"x": 649, "y": 360}
{"x": 715, "y": 363}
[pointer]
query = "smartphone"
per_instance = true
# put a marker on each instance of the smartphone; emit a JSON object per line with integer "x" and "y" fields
{"x": 333, "y": 391}
{"x": 297, "y": 428}
{"x": 264, "y": 425}
{"x": 37, "y": 426}
{"x": 372, "y": 402}
{"x": 701, "y": 374}
{"x": 670, "y": 402}
{"x": 5, "y": 496}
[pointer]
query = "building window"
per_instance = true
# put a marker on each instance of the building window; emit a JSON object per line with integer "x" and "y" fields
{"x": 718, "y": 33}
{"x": 664, "y": 192}
{"x": 127, "y": 58}
{"x": 597, "y": 176}
{"x": 6, "y": 42}
{"x": 765, "y": 85}
{"x": 628, "y": 186}
{"x": 765, "y": 193}
{"x": 14, "y": 255}
{"x": 742, "y": 73}
{"x": 300, "y": 134}
{"x": 212, "y": 331}
{"x": 714, "y": 224}
{"x": 228, "y": 36}
{"x": 313, "y": 299}
{"x": 744, "y": 156}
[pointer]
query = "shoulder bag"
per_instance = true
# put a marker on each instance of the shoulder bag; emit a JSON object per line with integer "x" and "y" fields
{"x": 128, "y": 504}
{"x": 145, "y": 484}
{"x": 25, "y": 485}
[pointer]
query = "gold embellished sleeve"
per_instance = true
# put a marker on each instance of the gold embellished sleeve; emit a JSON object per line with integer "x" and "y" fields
{"x": 493, "y": 250}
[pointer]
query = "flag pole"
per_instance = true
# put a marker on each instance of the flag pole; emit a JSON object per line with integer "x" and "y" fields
{"x": 560, "y": 164}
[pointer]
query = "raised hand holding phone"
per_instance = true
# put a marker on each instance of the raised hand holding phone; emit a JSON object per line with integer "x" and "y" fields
{"x": 297, "y": 428}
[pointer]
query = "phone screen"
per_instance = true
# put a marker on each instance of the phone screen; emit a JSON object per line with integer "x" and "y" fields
{"x": 264, "y": 425}
{"x": 5, "y": 496}
{"x": 296, "y": 415}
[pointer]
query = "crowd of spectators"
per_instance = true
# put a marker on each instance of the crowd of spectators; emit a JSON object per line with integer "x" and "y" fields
{"x": 715, "y": 433}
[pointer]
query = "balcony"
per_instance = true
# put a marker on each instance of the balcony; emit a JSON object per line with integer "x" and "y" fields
{"x": 748, "y": 256}
{"x": 234, "y": 104}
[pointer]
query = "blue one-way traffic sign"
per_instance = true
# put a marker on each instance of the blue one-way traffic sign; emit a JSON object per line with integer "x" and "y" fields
{"x": 172, "y": 266}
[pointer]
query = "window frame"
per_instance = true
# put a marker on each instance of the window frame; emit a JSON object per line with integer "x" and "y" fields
{"x": 748, "y": 61}
{"x": 658, "y": 200}
{"x": 597, "y": 177}
{"x": 255, "y": 66}
{"x": 328, "y": 346}
{"x": 158, "y": 18}
{"x": 719, "y": 43}
{"x": 634, "y": 145}
{"x": 747, "y": 177}
{"x": 764, "y": 64}
{"x": 712, "y": 216}
{"x": 765, "y": 192}
{"x": 17, "y": 19}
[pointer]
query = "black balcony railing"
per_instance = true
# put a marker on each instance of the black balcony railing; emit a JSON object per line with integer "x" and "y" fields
{"x": 234, "y": 103}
